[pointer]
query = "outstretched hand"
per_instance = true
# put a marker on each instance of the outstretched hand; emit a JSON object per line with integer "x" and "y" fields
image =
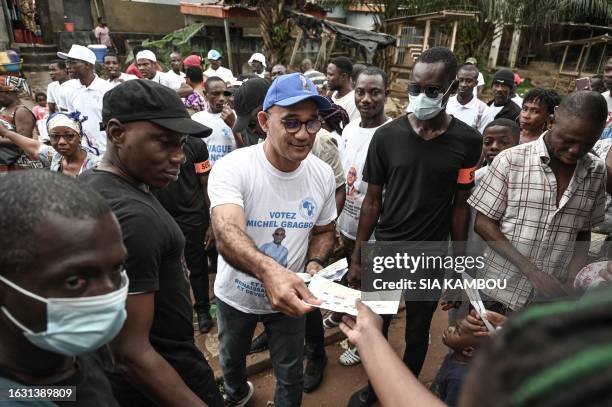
{"x": 359, "y": 330}
{"x": 287, "y": 292}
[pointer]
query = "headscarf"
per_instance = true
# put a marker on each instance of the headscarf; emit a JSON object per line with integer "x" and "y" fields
{"x": 336, "y": 118}
{"x": 14, "y": 84}
{"x": 71, "y": 120}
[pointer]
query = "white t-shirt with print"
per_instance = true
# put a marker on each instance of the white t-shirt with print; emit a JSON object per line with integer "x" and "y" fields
{"x": 295, "y": 201}
{"x": 355, "y": 142}
{"x": 221, "y": 141}
{"x": 348, "y": 103}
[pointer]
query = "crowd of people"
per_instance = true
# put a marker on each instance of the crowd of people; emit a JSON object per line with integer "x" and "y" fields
{"x": 158, "y": 179}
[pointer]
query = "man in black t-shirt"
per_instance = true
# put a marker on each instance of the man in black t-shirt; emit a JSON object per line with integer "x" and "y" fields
{"x": 425, "y": 162}
{"x": 61, "y": 244}
{"x": 156, "y": 360}
{"x": 186, "y": 200}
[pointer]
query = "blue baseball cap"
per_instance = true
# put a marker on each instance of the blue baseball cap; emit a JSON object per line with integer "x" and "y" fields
{"x": 288, "y": 90}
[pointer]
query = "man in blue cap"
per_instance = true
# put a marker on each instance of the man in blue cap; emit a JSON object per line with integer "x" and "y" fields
{"x": 215, "y": 69}
{"x": 253, "y": 192}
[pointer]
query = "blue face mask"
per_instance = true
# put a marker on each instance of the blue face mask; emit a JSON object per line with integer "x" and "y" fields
{"x": 76, "y": 325}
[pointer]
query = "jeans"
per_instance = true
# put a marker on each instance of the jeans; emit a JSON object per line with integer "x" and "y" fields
{"x": 286, "y": 344}
{"x": 197, "y": 262}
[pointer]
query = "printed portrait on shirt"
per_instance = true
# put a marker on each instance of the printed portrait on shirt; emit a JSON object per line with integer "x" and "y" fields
{"x": 275, "y": 249}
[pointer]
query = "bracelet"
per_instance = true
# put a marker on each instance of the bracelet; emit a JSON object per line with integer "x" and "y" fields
{"x": 315, "y": 260}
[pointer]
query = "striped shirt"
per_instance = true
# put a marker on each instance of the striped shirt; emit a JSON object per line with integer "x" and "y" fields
{"x": 519, "y": 192}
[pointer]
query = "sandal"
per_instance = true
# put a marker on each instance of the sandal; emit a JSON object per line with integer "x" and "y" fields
{"x": 349, "y": 357}
{"x": 329, "y": 322}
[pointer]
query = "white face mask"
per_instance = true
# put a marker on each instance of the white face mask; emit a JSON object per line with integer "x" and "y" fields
{"x": 425, "y": 108}
{"x": 76, "y": 325}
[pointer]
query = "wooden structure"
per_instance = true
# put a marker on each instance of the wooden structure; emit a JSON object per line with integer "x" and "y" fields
{"x": 408, "y": 49}
{"x": 569, "y": 77}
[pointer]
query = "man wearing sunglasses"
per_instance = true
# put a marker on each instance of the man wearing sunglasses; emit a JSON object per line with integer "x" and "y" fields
{"x": 425, "y": 162}
{"x": 255, "y": 191}
{"x": 218, "y": 117}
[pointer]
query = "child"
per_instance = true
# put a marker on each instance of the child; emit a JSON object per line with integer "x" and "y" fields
{"x": 536, "y": 111}
{"x": 41, "y": 112}
{"x": 449, "y": 380}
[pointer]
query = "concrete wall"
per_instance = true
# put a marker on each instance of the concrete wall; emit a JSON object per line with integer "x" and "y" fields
{"x": 140, "y": 17}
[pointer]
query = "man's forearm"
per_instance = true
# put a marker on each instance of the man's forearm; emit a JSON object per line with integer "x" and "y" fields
{"x": 580, "y": 256}
{"x": 381, "y": 363}
{"x": 370, "y": 211}
{"x": 165, "y": 386}
{"x": 490, "y": 232}
{"x": 340, "y": 197}
{"x": 459, "y": 227}
{"x": 239, "y": 250}
{"x": 321, "y": 245}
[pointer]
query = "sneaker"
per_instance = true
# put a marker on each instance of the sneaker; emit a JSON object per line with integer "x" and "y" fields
{"x": 259, "y": 344}
{"x": 349, "y": 357}
{"x": 313, "y": 374}
{"x": 205, "y": 322}
{"x": 242, "y": 401}
{"x": 363, "y": 397}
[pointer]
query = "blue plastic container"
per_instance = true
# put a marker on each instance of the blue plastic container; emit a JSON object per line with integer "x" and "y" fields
{"x": 99, "y": 50}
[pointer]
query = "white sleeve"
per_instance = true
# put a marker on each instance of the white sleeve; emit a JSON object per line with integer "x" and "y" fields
{"x": 225, "y": 183}
{"x": 480, "y": 79}
{"x": 51, "y": 98}
{"x": 328, "y": 212}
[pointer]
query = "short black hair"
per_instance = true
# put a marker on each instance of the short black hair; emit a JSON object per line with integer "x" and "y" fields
{"x": 445, "y": 56}
{"x": 469, "y": 67}
{"x": 61, "y": 64}
{"x": 514, "y": 128}
{"x": 111, "y": 54}
{"x": 26, "y": 198}
{"x": 195, "y": 74}
{"x": 357, "y": 69}
{"x": 39, "y": 94}
{"x": 597, "y": 76}
{"x": 549, "y": 98}
{"x": 586, "y": 105}
{"x": 374, "y": 71}
{"x": 344, "y": 64}
{"x": 212, "y": 80}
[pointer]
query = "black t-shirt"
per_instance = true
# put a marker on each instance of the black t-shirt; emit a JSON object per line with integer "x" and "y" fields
{"x": 420, "y": 178}
{"x": 184, "y": 199}
{"x": 155, "y": 245}
{"x": 92, "y": 386}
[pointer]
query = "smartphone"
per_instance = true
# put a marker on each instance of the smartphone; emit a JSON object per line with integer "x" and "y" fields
{"x": 583, "y": 83}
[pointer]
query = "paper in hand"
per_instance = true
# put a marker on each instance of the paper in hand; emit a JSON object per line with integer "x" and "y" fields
{"x": 476, "y": 302}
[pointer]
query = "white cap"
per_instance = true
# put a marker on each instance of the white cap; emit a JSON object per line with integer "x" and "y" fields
{"x": 258, "y": 57}
{"x": 79, "y": 52}
{"x": 146, "y": 54}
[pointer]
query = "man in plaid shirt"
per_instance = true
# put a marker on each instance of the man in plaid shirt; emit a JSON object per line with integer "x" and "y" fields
{"x": 537, "y": 200}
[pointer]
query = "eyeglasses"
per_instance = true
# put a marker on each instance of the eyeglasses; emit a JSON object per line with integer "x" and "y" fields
{"x": 67, "y": 136}
{"x": 294, "y": 125}
{"x": 430, "y": 91}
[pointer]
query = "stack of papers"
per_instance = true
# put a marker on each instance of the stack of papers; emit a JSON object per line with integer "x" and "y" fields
{"x": 339, "y": 298}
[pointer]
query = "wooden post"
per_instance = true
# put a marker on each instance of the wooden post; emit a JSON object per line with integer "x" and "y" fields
{"x": 321, "y": 54}
{"x": 454, "y": 36}
{"x": 563, "y": 59}
{"x": 603, "y": 55}
{"x": 579, "y": 63}
{"x": 298, "y": 40}
{"x": 495, "y": 44}
{"x": 514, "y": 45}
{"x": 228, "y": 43}
{"x": 426, "y": 35}
{"x": 398, "y": 43}
{"x": 330, "y": 48}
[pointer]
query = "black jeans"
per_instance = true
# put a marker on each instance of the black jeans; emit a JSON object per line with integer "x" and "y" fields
{"x": 197, "y": 262}
{"x": 314, "y": 338}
